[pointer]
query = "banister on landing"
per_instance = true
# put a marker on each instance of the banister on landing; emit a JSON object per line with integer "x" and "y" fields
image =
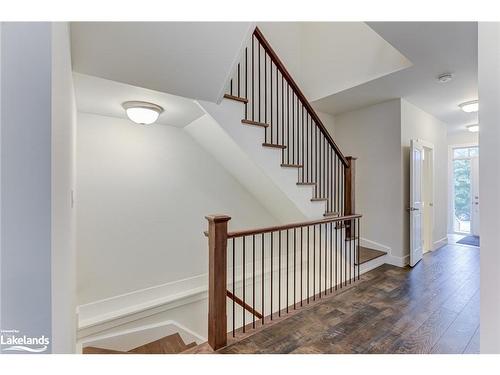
{"x": 267, "y": 272}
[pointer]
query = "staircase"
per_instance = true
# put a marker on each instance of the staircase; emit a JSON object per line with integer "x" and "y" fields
{"x": 172, "y": 344}
{"x": 279, "y": 129}
{"x": 261, "y": 275}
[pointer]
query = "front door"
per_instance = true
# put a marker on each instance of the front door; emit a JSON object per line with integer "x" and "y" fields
{"x": 415, "y": 209}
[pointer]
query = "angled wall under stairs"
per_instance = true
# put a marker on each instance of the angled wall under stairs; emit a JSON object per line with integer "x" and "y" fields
{"x": 239, "y": 147}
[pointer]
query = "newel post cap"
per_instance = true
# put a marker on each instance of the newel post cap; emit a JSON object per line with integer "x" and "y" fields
{"x": 217, "y": 218}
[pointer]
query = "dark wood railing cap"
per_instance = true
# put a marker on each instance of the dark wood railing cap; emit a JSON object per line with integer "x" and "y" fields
{"x": 249, "y": 232}
{"x": 217, "y": 218}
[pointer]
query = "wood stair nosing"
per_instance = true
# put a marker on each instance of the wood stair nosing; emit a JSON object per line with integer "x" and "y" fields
{"x": 95, "y": 350}
{"x": 254, "y": 123}
{"x": 284, "y": 165}
{"x": 330, "y": 214}
{"x": 366, "y": 254}
{"x": 236, "y": 98}
{"x": 171, "y": 344}
{"x": 273, "y": 145}
{"x": 306, "y": 183}
{"x": 318, "y": 199}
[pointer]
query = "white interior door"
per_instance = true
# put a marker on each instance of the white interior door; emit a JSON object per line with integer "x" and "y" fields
{"x": 416, "y": 217}
{"x": 474, "y": 193}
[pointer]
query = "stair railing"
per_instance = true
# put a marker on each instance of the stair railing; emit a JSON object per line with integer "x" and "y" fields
{"x": 259, "y": 275}
{"x": 273, "y": 100}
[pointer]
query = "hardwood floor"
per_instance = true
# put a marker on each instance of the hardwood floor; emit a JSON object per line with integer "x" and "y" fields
{"x": 432, "y": 308}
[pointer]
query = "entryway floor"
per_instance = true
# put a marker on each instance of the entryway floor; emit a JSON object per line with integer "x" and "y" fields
{"x": 431, "y": 308}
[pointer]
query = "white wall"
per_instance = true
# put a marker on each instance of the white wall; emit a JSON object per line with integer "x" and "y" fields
{"x": 143, "y": 192}
{"x": 310, "y": 52}
{"x": 379, "y": 136}
{"x": 329, "y": 122}
{"x": 338, "y": 55}
{"x": 462, "y": 137}
{"x": 417, "y": 124}
{"x": 489, "y": 169}
{"x": 285, "y": 39}
{"x": 25, "y": 125}
{"x": 63, "y": 184}
{"x": 373, "y": 135}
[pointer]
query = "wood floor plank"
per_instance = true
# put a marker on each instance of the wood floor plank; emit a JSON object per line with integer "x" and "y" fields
{"x": 461, "y": 331}
{"x": 473, "y": 345}
{"x": 432, "y": 307}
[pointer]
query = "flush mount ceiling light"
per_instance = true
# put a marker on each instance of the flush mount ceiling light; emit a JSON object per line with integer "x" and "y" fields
{"x": 143, "y": 113}
{"x": 473, "y": 128}
{"x": 445, "y": 77}
{"x": 472, "y": 106}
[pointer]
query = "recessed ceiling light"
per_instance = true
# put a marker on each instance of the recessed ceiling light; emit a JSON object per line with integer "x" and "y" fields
{"x": 473, "y": 128}
{"x": 472, "y": 106}
{"x": 143, "y": 113}
{"x": 445, "y": 77}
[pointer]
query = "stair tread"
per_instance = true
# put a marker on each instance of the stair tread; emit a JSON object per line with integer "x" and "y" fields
{"x": 273, "y": 145}
{"x": 306, "y": 183}
{"x": 237, "y": 98}
{"x": 191, "y": 345}
{"x": 318, "y": 199}
{"x": 256, "y": 123}
{"x": 331, "y": 213}
{"x": 95, "y": 350}
{"x": 366, "y": 254}
{"x": 166, "y": 345}
{"x": 284, "y": 165}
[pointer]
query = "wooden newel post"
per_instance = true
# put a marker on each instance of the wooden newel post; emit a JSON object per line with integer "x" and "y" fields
{"x": 217, "y": 280}
{"x": 349, "y": 191}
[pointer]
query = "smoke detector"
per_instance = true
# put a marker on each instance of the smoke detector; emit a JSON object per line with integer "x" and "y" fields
{"x": 445, "y": 77}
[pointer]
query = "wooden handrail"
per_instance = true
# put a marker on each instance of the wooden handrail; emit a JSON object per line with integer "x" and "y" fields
{"x": 246, "y": 306}
{"x": 250, "y": 232}
{"x": 279, "y": 64}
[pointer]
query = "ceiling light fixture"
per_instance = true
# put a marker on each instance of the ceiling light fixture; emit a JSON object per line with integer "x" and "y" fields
{"x": 473, "y": 128}
{"x": 143, "y": 113}
{"x": 472, "y": 106}
{"x": 445, "y": 77}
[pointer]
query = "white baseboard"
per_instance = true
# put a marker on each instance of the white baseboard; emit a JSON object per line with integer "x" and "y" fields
{"x": 440, "y": 243}
{"x": 389, "y": 258}
{"x": 375, "y": 245}
{"x": 398, "y": 261}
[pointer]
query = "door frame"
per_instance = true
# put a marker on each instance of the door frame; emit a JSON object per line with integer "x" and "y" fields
{"x": 424, "y": 233}
{"x": 475, "y": 223}
{"x": 430, "y": 146}
{"x": 451, "y": 188}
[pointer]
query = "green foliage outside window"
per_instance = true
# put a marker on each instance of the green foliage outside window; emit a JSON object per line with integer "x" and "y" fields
{"x": 461, "y": 170}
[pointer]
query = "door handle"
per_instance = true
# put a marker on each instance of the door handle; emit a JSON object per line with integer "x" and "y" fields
{"x": 412, "y": 209}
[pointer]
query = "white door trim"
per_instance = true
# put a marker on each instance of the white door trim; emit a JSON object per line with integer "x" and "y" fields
{"x": 451, "y": 190}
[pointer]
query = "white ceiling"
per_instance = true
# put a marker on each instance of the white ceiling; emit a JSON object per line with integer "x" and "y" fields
{"x": 433, "y": 48}
{"x": 105, "y": 97}
{"x": 191, "y": 59}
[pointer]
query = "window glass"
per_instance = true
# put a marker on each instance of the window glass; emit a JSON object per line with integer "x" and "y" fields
{"x": 473, "y": 151}
{"x": 462, "y": 198}
{"x": 460, "y": 153}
